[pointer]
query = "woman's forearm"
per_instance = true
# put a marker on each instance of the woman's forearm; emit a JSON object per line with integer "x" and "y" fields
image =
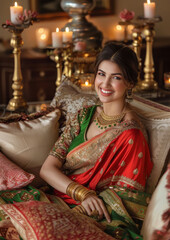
{"x": 52, "y": 174}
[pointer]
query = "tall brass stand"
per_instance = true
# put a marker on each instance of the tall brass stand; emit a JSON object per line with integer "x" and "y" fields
{"x": 17, "y": 102}
{"x": 148, "y": 84}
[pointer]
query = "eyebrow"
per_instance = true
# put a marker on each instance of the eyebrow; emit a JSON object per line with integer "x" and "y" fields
{"x": 113, "y": 74}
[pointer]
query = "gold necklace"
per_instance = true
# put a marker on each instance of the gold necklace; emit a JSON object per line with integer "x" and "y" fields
{"x": 104, "y": 121}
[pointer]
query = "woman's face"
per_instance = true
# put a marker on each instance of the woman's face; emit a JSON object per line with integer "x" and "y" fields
{"x": 110, "y": 84}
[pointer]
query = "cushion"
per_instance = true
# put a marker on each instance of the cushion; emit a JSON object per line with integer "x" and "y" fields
{"x": 12, "y": 176}
{"x": 39, "y": 220}
{"x": 72, "y": 98}
{"x": 157, "y": 207}
{"x": 27, "y": 139}
{"x": 156, "y": 119}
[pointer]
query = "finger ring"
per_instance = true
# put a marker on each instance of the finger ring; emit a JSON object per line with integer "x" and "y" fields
{"x": 94, "y": 213}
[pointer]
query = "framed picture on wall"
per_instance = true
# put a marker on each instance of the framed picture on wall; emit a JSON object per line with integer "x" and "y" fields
{"x": 52, "y": 9}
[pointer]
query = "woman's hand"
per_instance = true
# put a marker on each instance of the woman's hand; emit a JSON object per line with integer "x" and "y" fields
{"x": 93, "y": 203}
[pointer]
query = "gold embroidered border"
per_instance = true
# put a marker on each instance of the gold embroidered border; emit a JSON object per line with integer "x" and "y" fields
{"x": 129, "y": 181}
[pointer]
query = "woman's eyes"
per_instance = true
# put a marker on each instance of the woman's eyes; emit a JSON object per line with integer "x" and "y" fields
{"x": 113, "y": 77}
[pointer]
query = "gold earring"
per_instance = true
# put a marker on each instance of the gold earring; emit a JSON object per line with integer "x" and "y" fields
{"x": 129, "y": 95}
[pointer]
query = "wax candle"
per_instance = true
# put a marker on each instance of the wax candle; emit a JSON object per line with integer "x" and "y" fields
{"x": 119, "y": 33}
{"x": 15, "y": 12}
{"x": 57, "y": 39}
{"x": 167, "y": 80}
{"x": 86, "y": 86}
{"x": 67, "y": 35}
{"x": 42, "y": 37}
{"x": 149, "y": 9}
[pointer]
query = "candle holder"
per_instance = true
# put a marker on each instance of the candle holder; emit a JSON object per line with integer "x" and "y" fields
{"x": 148, "y": 28}
{"x": 17, "y": 103}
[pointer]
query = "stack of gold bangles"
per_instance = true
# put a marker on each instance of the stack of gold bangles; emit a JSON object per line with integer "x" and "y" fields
{"x": 78, "y": 192}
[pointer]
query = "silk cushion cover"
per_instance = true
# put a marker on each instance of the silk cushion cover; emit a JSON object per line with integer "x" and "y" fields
{"x": 157, "y": 207}
{"x": 39, "y": 220}
{"x": 12, "y": 176}
{"x": 27, "y": 140}
{"x": 71, "y": 98}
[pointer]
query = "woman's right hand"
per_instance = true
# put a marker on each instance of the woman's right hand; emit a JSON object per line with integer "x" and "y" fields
{"x": 94, "y": 203}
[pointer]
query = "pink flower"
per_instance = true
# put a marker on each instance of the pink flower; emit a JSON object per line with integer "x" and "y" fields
{"x": 8, "y": 22}
{"x": 126, "y": 15}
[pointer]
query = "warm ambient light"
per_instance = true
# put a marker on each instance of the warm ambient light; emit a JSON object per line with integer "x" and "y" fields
{"x": 15, "y": 4}
{"x": 57, "y": 30}
{"x": 67, "y": 29}
{"x": 148, "y": 1}
{"x": 119, "y": 28}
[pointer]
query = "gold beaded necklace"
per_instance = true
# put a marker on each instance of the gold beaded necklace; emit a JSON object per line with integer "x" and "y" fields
{"x": 104, "y": 121}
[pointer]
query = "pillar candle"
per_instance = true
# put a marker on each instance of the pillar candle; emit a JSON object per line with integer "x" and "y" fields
{"x": 118, "y": 33}
{"x": 149, "y": 9}
{"x": 57, "y": 39}
{"x": 42, "y": 37}
{"x": 15, "y": 12}
{"x": 67, "y": 35}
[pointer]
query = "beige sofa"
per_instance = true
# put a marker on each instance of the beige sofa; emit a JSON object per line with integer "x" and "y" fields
{"x": 27, "y": 140}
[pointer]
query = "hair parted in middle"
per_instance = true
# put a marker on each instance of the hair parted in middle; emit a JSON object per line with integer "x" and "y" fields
{"x": 123, "y": 56}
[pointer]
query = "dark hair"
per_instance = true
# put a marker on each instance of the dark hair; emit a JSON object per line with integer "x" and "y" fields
{"x": 123, "y": 56}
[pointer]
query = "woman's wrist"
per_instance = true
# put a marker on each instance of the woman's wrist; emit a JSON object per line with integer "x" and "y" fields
{"x": 78, "y": 192}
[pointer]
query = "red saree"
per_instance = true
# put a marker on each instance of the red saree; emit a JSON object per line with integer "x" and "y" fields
{"x": 118, "y": 156}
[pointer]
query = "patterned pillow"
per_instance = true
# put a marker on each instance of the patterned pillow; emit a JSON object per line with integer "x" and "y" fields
{"x": 27, "y": 139}
{"x": 71, "y": 98}
{"x": 157, "y": 218}
{"x": 12, "y": 176}
{"x": 39, "y": 220}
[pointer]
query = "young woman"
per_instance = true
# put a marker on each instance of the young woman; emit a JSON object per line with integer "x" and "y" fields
{"x": 103, "y": 153}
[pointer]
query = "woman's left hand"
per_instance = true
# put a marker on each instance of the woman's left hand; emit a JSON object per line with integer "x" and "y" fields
{"x": 94, "y": 204}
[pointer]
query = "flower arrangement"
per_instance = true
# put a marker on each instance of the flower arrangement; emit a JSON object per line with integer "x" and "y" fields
{"x": 126, "y": 15}
{"x": 26, "y": 19}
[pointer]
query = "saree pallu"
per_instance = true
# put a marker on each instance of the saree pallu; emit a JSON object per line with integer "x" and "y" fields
{"x": 115, "y": 157}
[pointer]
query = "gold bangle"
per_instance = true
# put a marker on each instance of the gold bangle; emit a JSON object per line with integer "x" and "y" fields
{"x": 78, "y": 192}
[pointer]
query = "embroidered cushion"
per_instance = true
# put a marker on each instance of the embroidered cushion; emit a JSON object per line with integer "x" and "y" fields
{"x": 154, "y": 221}
{"x": 71, "y": 98}
{"x": 27, "y": 139}
{"x": 156, "y": 119}
{"x": 39, "y": 220}
{"x": 12, "y": 176}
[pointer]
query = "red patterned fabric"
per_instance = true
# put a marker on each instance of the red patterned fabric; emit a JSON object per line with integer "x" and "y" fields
{"x": 12, "y": 176}
{"x": 125, "y": 162}
{"x": 45, "y": 221}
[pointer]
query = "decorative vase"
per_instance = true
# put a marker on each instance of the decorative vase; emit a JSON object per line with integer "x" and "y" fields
{"x": 82, "y": 29}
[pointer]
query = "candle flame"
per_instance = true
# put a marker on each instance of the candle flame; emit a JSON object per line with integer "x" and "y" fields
{"x": 57, "y": 29}
{"x": 118, "y": 27}
{"x": 41, "y": 30}
{"x": 86, "y": 83}
{"x": 67, "y": 29}
{"x": 43, "y": 36}
{"x": 148, "y": 1}
{"x": 15, "y": 4}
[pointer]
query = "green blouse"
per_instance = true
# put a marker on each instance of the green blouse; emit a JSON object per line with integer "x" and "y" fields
{"x": 83, "y": 128}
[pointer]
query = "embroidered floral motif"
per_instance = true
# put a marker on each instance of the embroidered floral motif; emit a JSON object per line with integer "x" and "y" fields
{"x": 131, "y": 141}
{"x": 140, "y": 155}
{"x": 122, "y": 163}
{"x": 135, "y": 171}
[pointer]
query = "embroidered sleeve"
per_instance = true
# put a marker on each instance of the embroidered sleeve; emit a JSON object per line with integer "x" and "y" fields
{"x": 61, "y": 146}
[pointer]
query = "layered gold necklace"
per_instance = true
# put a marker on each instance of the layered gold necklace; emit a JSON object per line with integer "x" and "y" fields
{"x": 104, "y": 121}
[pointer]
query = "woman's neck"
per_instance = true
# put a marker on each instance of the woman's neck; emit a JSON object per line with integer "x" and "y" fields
{"x": 114, "y": 108}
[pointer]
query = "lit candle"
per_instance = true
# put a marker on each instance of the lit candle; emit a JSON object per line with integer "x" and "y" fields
{"x": 57, "y": 39}
{"x": 149, "y": 9}
{"x": 67, "y": 35}
{"x": 15, "y": 12}
{"x": 42, "y": 37}
{"x": 118, "y": 33}
{"x": 86, "y": 85}
{"x": 167, "y": 80}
